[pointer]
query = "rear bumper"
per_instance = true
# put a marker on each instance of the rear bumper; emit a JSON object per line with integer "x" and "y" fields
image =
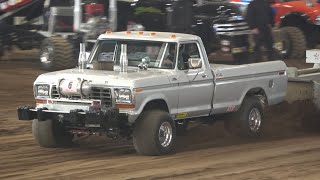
{"x": 109, "y": 117}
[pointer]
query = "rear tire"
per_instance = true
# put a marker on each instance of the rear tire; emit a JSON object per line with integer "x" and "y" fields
{"x": 56, "y": 54}
{"x": 248, "y": 120}
{"x": 293, "y": 42}
{"x": 154, "y": 133}
{"x": 50, "y": 134}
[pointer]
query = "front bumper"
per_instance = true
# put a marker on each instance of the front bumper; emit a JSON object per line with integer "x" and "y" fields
{"x": 107, "y": 118}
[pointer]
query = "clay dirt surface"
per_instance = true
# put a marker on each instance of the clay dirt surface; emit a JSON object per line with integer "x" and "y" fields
{"x": 289, "y": 149}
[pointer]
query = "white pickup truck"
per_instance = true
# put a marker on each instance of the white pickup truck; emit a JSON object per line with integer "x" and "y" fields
{"x": 147, "y": 85}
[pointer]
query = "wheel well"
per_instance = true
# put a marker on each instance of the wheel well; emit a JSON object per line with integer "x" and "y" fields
{"x": 156, "y": 104}
{"x": 294, "y": 19}
{"x": 258, "y": 92}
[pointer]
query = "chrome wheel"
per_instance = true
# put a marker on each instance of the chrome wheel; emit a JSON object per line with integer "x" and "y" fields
{"x": 165, "y": 134}
{"x": 255, "y": 120}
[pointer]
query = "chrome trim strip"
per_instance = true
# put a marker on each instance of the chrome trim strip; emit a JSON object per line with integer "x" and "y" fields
{"x": 177, "y": 84}
{"x": 247, "y": 76}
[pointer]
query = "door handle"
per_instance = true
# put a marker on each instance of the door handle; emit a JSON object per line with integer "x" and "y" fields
{"x": 174, "y": 79}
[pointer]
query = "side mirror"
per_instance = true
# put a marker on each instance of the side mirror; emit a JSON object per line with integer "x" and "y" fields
{"x": 194, "y": 63}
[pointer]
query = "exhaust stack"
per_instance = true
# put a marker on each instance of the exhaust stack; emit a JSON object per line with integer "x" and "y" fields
{"x": 82, "y": 56}
{"x": 123, "y": 58}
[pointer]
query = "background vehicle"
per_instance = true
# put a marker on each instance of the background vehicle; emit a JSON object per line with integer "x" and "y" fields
{"x": 131, "y": 88}
{"x": 219, "y": 24}
{"x": 56, "y": 28}
{"x": 304, "y": 15}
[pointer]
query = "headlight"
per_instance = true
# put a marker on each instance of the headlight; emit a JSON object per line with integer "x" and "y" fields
{"x": 42, "y": 90}
{"x": 122, "y": 95}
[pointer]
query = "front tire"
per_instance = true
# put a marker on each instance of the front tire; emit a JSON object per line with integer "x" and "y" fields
{"x": 248, "y": 120}
{"x": 50, "y": 134}
{"x": 154, "y": 133}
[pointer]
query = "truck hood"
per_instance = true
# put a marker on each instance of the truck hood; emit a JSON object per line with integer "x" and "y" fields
{"x": 132, "y": 78}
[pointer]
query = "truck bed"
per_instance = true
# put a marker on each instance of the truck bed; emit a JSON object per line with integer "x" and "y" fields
{"x": 233, "y": 82}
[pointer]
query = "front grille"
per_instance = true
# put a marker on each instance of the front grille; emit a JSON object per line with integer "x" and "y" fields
{"x": 103, "y": 94}
{"x": 97, "y": 93}
{"x": 54, "y": 92}
{"x": 232, "y": 28}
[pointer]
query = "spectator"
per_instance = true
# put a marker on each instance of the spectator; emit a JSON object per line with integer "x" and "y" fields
{"x": 260, "y": 19}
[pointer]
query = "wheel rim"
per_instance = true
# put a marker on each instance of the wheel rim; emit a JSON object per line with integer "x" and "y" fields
{"x": 255, "y": 120}
{"x": 45, "y": 55}
{"x": 165, "y": 134}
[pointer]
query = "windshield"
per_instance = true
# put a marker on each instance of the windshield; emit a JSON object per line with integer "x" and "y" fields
{"x": 154, "y": 54}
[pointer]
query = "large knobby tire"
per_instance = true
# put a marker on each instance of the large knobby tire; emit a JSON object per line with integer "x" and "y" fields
{"x": 154, "y": 133}
{"x": 50, "y": 134}
{"x": 248, "y": 120}
{"x": 290, "y": 42}
{"x": 56, "y": 54}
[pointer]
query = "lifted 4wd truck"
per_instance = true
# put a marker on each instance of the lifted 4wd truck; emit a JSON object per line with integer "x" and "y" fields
{"x": 147, "y": 85}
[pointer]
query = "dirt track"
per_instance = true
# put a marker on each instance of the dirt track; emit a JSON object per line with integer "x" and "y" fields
{"x": 287, "y": 151}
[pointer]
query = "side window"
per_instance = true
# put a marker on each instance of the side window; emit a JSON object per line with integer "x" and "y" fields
{"x": 187, "y": 51}
{"x": 105, "y": 51}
